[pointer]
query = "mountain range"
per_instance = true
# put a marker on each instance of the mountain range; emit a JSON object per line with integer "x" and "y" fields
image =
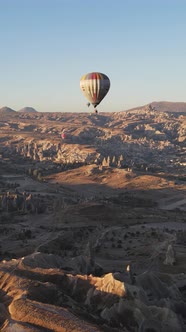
{"x": 162, "y": 106}
{"x": 8, "y": 110}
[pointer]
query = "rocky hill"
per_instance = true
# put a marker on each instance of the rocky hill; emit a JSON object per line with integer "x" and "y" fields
{"x": 170, "y": 106}
{"x": 6, "y": 110}
{"x": 165, "y": 106}
{"x": 27, "y": 110}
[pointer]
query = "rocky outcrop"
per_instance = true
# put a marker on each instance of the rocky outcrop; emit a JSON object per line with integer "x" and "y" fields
{"x": 170, "y": 256}
{"x": 52, "y": 298}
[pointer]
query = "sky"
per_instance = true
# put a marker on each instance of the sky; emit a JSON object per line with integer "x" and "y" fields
{"x": 46, "y": 46}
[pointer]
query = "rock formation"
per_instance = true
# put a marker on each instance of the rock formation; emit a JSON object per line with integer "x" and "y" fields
{"x": 170, "y": 256}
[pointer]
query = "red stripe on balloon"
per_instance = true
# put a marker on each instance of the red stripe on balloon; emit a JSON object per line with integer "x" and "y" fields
{"x": 94, "y": 97}
{"x": 93, "y": 76}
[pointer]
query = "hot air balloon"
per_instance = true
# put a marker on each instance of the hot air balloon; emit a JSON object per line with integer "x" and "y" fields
{"x": 95, "y": 86}
{"x": 64, "y": 134}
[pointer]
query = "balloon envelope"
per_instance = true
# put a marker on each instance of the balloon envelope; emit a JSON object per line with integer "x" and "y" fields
{"x": 95, "y": 86}
{"x": 63, "y": 135}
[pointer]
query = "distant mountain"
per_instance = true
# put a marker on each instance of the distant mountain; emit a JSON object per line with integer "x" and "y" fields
{"x": 165, "y": 106}
{"x": 27, "y": 110}
{"x": 169, "y": 106}
{"x": 6, "y": 110}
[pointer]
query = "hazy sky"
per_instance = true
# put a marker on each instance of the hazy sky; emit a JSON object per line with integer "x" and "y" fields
{"x": 47, "y": 45}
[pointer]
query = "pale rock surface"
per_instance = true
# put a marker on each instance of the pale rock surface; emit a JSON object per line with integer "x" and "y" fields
{"x": 170, "y": 256}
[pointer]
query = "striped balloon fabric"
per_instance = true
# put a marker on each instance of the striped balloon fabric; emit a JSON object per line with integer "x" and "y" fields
{"x": 95, "y": 86}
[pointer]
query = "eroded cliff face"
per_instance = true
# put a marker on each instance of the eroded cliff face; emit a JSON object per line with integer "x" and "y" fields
{"x": 34, "y": 299}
